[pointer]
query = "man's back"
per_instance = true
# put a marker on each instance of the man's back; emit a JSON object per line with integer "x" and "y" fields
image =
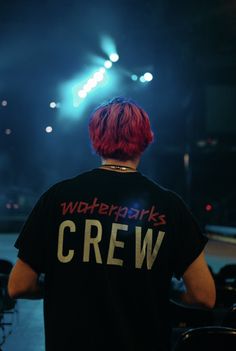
{"x": 111, "y": 243}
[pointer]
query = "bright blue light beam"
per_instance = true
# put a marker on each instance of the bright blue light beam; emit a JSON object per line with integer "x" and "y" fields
{"x": 108, "y": 64}
{"x": 73, "y": 106}
{"x": 108, "y": 45}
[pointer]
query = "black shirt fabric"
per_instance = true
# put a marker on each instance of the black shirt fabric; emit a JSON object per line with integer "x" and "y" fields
{"x": 109, "y": 244}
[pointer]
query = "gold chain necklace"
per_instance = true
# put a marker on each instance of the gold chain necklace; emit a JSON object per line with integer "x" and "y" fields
{"x": 119, "y": 167}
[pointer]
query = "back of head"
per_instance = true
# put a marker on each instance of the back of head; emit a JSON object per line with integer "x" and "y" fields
{"x": 120, "y": 129}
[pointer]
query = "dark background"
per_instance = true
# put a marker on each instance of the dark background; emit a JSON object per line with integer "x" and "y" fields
{"x": 190, "y": 48}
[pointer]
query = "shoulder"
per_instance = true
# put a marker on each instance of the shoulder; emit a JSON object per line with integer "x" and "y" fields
{"x": 66, "y": 184}
{"x": 162, "y": 191}
{"x": 173, "y": 201}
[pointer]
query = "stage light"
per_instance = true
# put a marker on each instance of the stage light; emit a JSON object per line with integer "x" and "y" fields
{"x": 92, "y": 82}
{"x": 134, "y": 77}
{"x": 8, "y": 131}
{"x": 4, "y": 103}
{"x": 48, "y": 129}
{"x": 87, "y": 87}
{"x": 114, "y": 57}
{"x": 142, "y": 79}
{"x": 82, "y": 94}
{"x": 148, "y": 76}
{"x": 98, "y": 76}
{"x": 53, "y": 104}
{"x": 108, "y": 64}
{"x": 77, "y": 93}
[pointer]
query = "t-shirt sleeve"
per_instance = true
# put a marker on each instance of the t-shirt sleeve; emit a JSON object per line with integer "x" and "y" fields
{"x": 190, "y": 241}
{"x": 31, "y": 242}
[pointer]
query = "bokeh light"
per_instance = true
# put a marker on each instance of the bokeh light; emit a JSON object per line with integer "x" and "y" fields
{"x": 82, "y": 94}
{"x": 8, "y": 131}
{"x": 4, "y": 103}
{"x": 48, "y": 129}
{"x": 142, "y": 79}
{"x": 53, "y": 104}
{"x": 114, "y": 57}
{"x": 108, "y": 64}
{"x": 98, "y": 76}
{"x": 208, "y": 207}
{"x": 148, "y": 76}
{"x": 134, "y": 77}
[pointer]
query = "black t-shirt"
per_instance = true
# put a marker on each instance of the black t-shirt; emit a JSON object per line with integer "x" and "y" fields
{"x": 109, "y": 244}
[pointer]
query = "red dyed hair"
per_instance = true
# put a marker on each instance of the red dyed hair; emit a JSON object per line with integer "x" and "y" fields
{"x": 120, "y": 129}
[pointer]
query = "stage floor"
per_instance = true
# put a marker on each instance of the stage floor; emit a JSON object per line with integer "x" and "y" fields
{"x": 27, "y": 333}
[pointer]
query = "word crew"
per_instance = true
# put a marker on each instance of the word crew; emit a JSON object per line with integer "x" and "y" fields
{"x": 145, "y": 249}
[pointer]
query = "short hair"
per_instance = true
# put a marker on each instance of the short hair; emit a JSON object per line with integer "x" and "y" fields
{"x": 120, "y": 129}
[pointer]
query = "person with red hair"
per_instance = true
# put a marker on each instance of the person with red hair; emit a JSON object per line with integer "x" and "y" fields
{"x": 120, "y": 130}
{"x": 108, "y": 243}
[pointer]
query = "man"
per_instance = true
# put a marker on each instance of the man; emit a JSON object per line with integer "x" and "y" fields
{"x": 109, "y": 242}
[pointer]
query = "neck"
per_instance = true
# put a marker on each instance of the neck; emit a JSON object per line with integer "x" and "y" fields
{"x": 129, "y": 165}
